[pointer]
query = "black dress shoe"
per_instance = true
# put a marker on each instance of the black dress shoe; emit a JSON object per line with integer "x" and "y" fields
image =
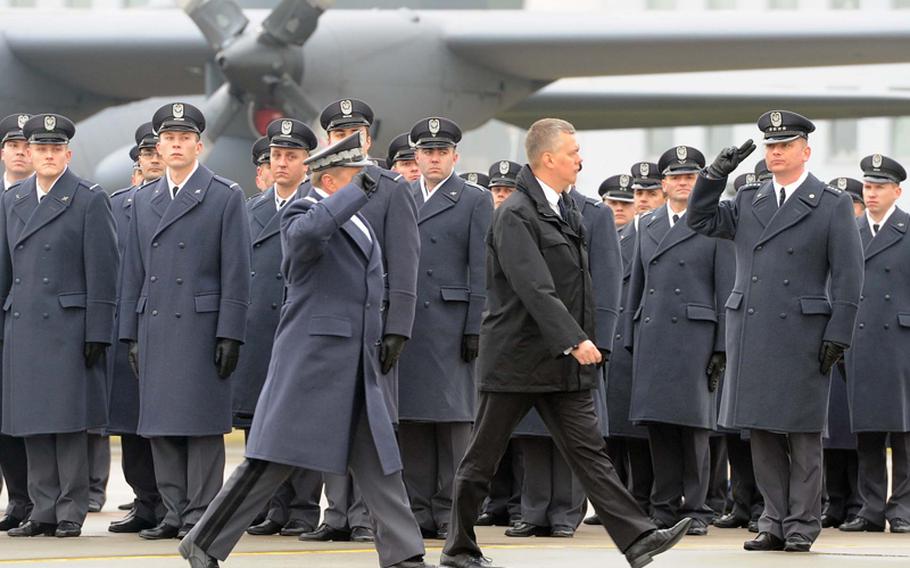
{"x": 9, "y": 522}
{"x": 659, "y": 523}
{"x": 523, "y": 530}
{"x": 265, "y": 528}
{"x": 126, "y": 507}
{"x": 197, "y": 557}
{"x": 764, "y": 542}
{"x": 860, "y": 524}
{"x": 427, "y": 534}
{"x": 731, "y": 521}
{"x": 491, "y": 520}
{"x": 362, "y": 534}
{"x": 414, "y": 562}
{"x": 899, "y": 526}
{"x": 442, "y": 533}
{"x": 797, "y": 543}
{"x": 66, "y": 529}
{"x": 130, "y": 524}
{"x": 465, "y": 561}
{"x": 831, "y": 522}
{"x": 697, "y": 528}
{"x": 647, "y": 547}
{"x": 325, "y": 533}
{"x": 33, "y": 528}
{"x": 592, "y": 520}
{"x": 295, "y": 527}
{"x": 562, "y": 532}
{"x": 160, "y": 532}
{"x": 753, "y": 526}
{"x": 184, "y": 530}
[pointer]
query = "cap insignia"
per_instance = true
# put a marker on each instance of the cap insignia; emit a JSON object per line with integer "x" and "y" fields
{"x": 433, "y": 125}
{"x": 644, "y": 169}
{"x": 286, "y": 127}
{"x": 503, "y": 167}
{"x": 23, "y": 118}
{"x": 623, "y": 180}
{"x": 682, "y": 153}
{"x": 841, "y": 183}
{"x": 876, "y": 160}
{"x": 50, "y": 122}
{"x": 177, "y": 110}
{"x": 346, "y": 107}
{"x": 776, "y": 119}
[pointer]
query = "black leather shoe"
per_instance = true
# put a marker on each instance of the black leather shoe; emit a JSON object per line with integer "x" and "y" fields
{"x": 697, "y": 528}
{"x": 184, "y": 530}
{"x": 415, "y": 562}
{"x": 66, "y": 529}
{"x": 562, "y": 532}
{"x": 362, "y": 534}
{"x": 797, "y": 543}
{"x": 130, "y": 524}
{"x": 33, "y": 528}
{"x": 125, "y": 507}
{"x": 491, "y": 520}
{"x": 753, "y": 526}
{"x": 899, "y": 526}
{"x": 764, "y": 542}
{"x": 197, "y": 557}
{"x": 524, "y": 530}
{"x": 325, "y": 533}
{"x": 465, "y": 561}
{"x": 295, "y": 527}
{"x": 265, "y": 528}
{"x": 831, "y": 522}
{"x": 161, "y": 532}
{"x": 592, "y": 520}
{"x": 442, "y": 533}
{"x": 731, "y": 521}
{"x": 659, "y": 524}
{"x": 647, "y": 547}
{"x": 9, "y": 522}
{"x": 860, "y": 524}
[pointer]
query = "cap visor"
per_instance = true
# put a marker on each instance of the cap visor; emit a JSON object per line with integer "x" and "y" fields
{"x": 178, "y": 126}
{"x": 879, "y": 179}
{"x": 682, "y": 170}
{"x": 346, "y": 123}
{"x": 779, "y": 139}
{"x": 435, "y": 143}
{"x": 622, "y": 198}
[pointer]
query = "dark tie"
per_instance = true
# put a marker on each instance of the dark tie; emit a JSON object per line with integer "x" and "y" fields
{"x": 281, "y": 203}
{"x": 176, "y": 189}
{"x": 783, "y": 196}
{"x": 675, "y": 218}
{"x": 563, "y": 210}
{"x": 875, "y": 228}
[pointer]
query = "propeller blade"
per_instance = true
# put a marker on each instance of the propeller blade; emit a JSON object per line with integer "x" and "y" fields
{"x": 293, "y": 21}
{"x": 220, "y": 21}
{"x": 219, "y": 110}
{"x": 292, "y": 99}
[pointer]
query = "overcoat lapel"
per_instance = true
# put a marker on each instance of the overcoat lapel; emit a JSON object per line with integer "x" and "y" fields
{"x": 443, "y": 197}
{"x": 795, "y": 209}
{"x": 889, "y": 235}
{"x": 678, "y": 233}
{"x": 191, "y": 195}
{"x": 764, "y": 205}
{"x": 658, "y": 225}
{"x": 273, "y": 226}
{"x": 52, "y": 206}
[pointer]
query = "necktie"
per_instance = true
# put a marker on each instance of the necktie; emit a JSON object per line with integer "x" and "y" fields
{"x": 563, "y": 211}
{"x": 875, "y": 228}
{"x": 281, "y": 203}
{"x": 176, "y": 189}
{"x": 675, "y": 218}
{"x": 783, "y": 196}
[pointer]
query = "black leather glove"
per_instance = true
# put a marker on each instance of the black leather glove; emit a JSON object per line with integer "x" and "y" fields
{"x": 729, "y": 159}
{"x": 390, "y": 350}
{"x": 470, "y": 346}
{"x": 364, "y": 182}
{"x": 715, "y": 371}
{"x": 605, "y": 354}
{"x": 93, "y": 352}
{"x": 227, "y": 353}
{"x": 829, "y": 354}
{"x": 133, "y": 356}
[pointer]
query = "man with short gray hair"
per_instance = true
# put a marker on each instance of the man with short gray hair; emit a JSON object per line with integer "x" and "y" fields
{"x": 537, "y": 349}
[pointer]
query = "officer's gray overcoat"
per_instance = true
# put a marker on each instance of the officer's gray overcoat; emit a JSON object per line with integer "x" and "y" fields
{"x": 266, "y": 296}
{"x": 878, "y": 363}
{"x": 435, "y": 383}
{"x": 186, "y": 282}
{"x": 58, "y": 281}
{"x": 326, "y": 364}
{"x": 779, "y": 310}
{"x": 680, "y": 281}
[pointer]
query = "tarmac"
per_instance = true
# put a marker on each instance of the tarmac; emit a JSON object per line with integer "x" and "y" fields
{"x": 590, "y": 547}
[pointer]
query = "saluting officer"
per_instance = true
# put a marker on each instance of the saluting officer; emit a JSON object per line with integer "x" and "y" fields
{"x": 649, "y": 193}
{"x": 503, "y": 180}
{"x": 437, "y": 370}
{"x": 877, "y": 365}
{"x": 680, "y": 281}
{"x": 401, "y": 158}
{"x": 17, "y": 166}
{"x": 58, "y": 275}
{"x": 184, "y": 299}
{"x": 790, "y": 317}
{"x": 123, "y": 419}
{"x": 616, "y": 192}
{"x": 262, "y": 161}
{"x": 324, "y": 377}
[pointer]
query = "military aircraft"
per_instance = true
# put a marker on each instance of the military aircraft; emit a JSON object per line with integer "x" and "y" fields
{"x": 255, "y": 65}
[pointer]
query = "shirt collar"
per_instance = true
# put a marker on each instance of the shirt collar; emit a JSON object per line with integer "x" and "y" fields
{"x": 278, "y": 198}
{"x": 883, "y": 221}
{"x": 423, "y": 185}
{"x": 320, "y": 192}
{"x": 551, "y": 194}
{"x": 170, "y": 183}
{"x": 41, "y": 191}
{"x": 7, "y": 183}
{"x": 670, "y": 214}
{"x": 790, "y": 187}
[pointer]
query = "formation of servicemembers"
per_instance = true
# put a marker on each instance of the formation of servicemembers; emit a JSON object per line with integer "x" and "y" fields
{"x": 722, "y": 321}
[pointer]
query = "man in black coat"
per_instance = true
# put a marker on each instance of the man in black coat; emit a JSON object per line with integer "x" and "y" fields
{"x": 537, "y": 349}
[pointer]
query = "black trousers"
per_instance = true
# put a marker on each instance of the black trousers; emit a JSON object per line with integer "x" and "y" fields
{"x": 632, "y": 459}
{"x": 719, "y": 480}
{"x": 139, "y": 471}
{"x": 873, "y": 476}
{"x": 841, "y": 484}
{"x": 748, "y": 502}
{"x": 681, "y": 472}
{"x": 570, "y": 418}
{"x": 505, "y": 488}
{"x": 14, "y": 464}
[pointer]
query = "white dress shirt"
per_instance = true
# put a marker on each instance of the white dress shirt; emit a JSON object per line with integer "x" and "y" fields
{"x": 789, "y": 188}
{"x": 552, "y": 196}
{"x": 281, "y": 202}
{"x": 879, "y": 223}
{"x": 41, "y": 192}
{"x": 7, "y": 182}
{"x": 354, "y": 218}
{"x": 670, "y": 214}
{"x": 428, "y": 192}
{"x": 170, "y": 183}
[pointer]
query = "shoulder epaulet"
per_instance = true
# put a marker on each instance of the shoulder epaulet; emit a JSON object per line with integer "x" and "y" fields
{"x": 226, "y": 182}
{"x": 89, "y": 185}
{"x": 147, "y": 183}
{"x": 122, "y": 190}
{"x": 833, "y": 190}
{"x": 749, "y": 186}
{"x": 475, "y": 186}
{"x": 395, "y": 176}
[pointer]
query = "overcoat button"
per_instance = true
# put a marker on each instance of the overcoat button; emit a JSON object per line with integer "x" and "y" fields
{"x": 274, "y": 306}
{"x": 180, "y": 281}
{"x": 18, "y": 280}
{"x": 887, "y": 297}
{"x": 154, "y": 312}
{"x": 15, "y": 314}
{"x": 887, "y": 269}
{"x": 278, "y": 276}
{"x": 783, "y": 316}
{"x": 751, "y": 311}
{"x": 368, "y": 306}
{"x": 654, "y": 261}
{"x": 647, "y": 320}
{"x": 786, "y": 282}
{"x": 789, "y": 251}
{"x": 45, "y": 315}
{"x": 45, "y": 280}
{"x": 181, "y": 245}
{"x": 154, "y": 279}
{"x": 426, "y": 304}
{"x": 257, "y": 245}
{"x": 177, "y": 315}
{"x": 20, "y": 247}
{"x": 759, "y": 247}
{"x": 432, "y": 239}
{"x": 674, "y": 319}
{"x": 862, "y": 326}
{"x": 755, "y": 279}
{"x": 430, "y": 272}
{"x": 155, "y": 244}
{"x": 887, "y": 326}
{"x": 651, "y": 291}
{"x": 618, "y": 336}
{"x": 677, "y": 291}
{"x": 46, "y": 247}
{"x": 682, "y": 262}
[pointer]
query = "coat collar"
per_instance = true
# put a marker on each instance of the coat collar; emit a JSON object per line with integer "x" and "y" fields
{"x": 52, "y": 206}
{"x": 674, "y": 235}
{"x": 892, "y": 232}
{"x": 527, "y": 184}
{"x": 803, "y": 201}
{"x": 263, "y": 209}
{"x": 271, "y": 225}
{"x": 193, "y": 192}
{"x": 443, "y": 197}
{"x": 349, "y": 228}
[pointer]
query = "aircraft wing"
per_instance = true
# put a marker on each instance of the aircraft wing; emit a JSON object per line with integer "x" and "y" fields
{"x": 593, "y": 108}
{"x": 547, "y": 46}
